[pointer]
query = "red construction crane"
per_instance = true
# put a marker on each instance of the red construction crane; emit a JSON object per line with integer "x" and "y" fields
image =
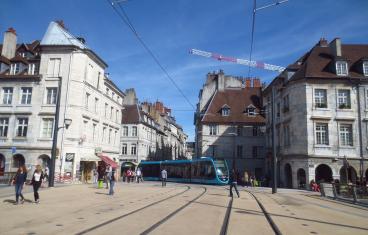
{"x": 251, "y": 63}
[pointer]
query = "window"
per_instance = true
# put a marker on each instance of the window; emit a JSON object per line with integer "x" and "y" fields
{"x": 239, "y": 130}
{"x": 365, "y": 68}
{"x": 111, "y": 112}
{"x": 103, "y": 134}
{"x": 96, "y": 105}
{"x": 225, "y": 112}
{"x": 133, "y": 149}
{"x": 7, "y": 95}
{"x": 346, "y": 135}
{"x": 107, "y": 91}
{"x": 320, "y": 98}
{"x": 343, "y": 99}
{"x": 51, "y": 93}
{"x": 255, "y": 130}
{"x": 14, "y": 68}
{"x": 22, "y": 127}
{"x": 239, "y": 151}
{"x": 125, "y": 131}
{"x": 341, "y": 68}
{"x": 4, "y": 125}
{"x": 213, "y": 129}
{"x": 47, "y": 127}
{"x": 110, "y": 136}
{"x": 31, "y": 69}
{"x": 53, "y": 68}
{"x": 322, "y": 134}
{"x": 117, "y": 116}
{"x": 26, "y": 95}
{"x": 286, "y": 136}
{"x": 124, "y": 149}
{"x": 278, "y": 110}
{"x": 251, "y": 111}
{"x": 115, "y": 136}
{"x": 134, "y": 131}
{"x": 286, "y": 103}
{"x": 86, "y": 102}
{"x": 113, "y": 95}
{"x": 94, "y": 131}
{"x": 106, "y": 107}
{"x": 255, "y": 151}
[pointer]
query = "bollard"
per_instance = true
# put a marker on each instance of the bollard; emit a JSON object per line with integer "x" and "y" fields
{"x": 354, "y": 194}
{"x": 100, "y": 184}
{"x": 334, "y": 191}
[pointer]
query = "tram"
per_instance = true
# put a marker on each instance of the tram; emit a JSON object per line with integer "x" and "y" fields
{"x": 204, "y": 170}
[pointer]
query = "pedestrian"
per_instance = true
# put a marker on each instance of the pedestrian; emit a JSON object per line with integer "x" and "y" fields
{"x": 112, "y": 179}
{"x": 36, "y": 182}
{"x": 246, "y": 179}
{"x": 46, "y": 175}
{"x": 139, "y": 175}
{"x": 233, "y": 182}
{"x": 163, "y": 177}
{"x": 19, "y": 180}
{"x": 95, "y": 176}
{"x": 129, "y": 175}
{"x": 107, "y": 172}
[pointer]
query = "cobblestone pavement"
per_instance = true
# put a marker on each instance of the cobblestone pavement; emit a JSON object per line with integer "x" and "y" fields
{"x": 177, "y": 209}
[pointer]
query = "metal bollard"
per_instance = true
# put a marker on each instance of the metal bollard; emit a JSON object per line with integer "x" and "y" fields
{"x": 334, "y": 191}
{"x": 354, "y": 194}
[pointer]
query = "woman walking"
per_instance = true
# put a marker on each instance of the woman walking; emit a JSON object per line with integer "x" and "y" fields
{"x": 19, "y": 181}
{"x": 112, "y": 179}
{"x": 37, "y": 179}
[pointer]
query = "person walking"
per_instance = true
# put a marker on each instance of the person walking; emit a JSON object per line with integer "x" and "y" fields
{"x": 246, "y": 178}
{"x": 95, "y": 176}
{"x": 129, "y": 175}
{"x": 36, "y": 182}
{"x": 163, "y": 177}
{"x": 233, "y": 182}
{"x": 112, "y": 178}
{"x": 107, "y": 172}
{"x": 19, "y": 180}
{"x": 139, "y": 175}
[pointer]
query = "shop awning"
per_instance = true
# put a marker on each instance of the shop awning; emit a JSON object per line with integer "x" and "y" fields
{"x": 109, "y": 161}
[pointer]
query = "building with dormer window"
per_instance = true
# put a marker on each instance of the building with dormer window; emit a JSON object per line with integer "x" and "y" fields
{"x": 323, "y": 134}
{"x": 229, "y": 123}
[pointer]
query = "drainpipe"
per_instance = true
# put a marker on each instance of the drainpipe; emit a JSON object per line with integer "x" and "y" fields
{"x": 360, "y": 132}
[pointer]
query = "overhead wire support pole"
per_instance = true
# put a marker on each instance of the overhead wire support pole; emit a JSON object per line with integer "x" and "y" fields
{"x": 270, "y": 5}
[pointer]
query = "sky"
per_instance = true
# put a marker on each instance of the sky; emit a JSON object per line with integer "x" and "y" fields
{"x": 170, "y": 28}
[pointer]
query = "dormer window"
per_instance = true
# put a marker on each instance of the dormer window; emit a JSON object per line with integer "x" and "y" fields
{"x": 225, "y": 111}
{"x": 14, "y": 68}
{"x": 251, "y": 111}
{"x": 341, "y": 68}
{"x": 365, "y": 68}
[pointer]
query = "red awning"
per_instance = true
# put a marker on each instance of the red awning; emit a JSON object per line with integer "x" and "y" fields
{"x": 109, "y": 161}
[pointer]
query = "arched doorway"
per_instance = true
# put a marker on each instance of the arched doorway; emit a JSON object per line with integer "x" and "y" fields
{"x": 44, "y": 161}
{"x": 288, "y": 176}
{"x": 323, "y": 174}
{"x": 2, "y": 164}
{"x": 18, "y": 160}
{"x": 350, "y": 172}
{"x": 301, "y": 177}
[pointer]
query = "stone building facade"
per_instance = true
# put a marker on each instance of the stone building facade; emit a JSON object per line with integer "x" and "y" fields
{"x": 229, "y": 123}
{"x": 30, "y": 74}
{"x": 321, "y": 104}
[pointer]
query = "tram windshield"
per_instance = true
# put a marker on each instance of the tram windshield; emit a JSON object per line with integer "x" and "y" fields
{"x": 221, "y": 169}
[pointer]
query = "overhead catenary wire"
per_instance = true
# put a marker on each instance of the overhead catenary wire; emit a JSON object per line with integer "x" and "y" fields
{"x": 124, "y": 17}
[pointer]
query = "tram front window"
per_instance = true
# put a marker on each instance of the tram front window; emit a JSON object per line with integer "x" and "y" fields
{"x": 221, "y": 170}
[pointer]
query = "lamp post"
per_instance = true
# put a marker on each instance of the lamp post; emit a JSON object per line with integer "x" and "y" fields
{"x": 67, "y": 123}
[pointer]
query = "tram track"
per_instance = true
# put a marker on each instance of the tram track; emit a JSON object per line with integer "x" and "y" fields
{"x": 131, "y": 213}
{"x": 266, "y": 214}
{"x": 225, "y": 224}
{"x": 172, "y": 214}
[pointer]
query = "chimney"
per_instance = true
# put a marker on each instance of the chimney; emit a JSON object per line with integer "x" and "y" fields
{"x": 9, "y": 43}
{"x": 61, "y": 23}
{"x": 248, "y": 82}
{"x": 159, "y": 107}
{"x": 323, "y": 42}
{"x": 257, "y": 83}
{"x": 221, "y": 81}
{"x": 82, "y": 40}
{"x": 335, "y": 46}
{"x": 130, "y": 97}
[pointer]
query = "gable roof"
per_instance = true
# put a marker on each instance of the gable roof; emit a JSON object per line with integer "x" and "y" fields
{"x": 57, "y": 35}
{"x": 239, "y": 100}
{"x": 130, "y": 114}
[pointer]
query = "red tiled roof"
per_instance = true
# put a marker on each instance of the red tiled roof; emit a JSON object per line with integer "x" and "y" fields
{"x": 130, "y": 114}
{"x": 237, "y": 100}
{"x": 317, "y": 62}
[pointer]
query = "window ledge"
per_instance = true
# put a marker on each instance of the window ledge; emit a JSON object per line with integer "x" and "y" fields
{"x": 322, "y": 109}
{"x": 44, "y": 139}
{"x": 347, "y": 147}
{"x": 48, "y": 105}
{"x": 23, "y": 105}
{"x": 344, "y": 110}
{"x": 6, "y": 105}
{"x": 322, "y": 146}
{"x": 19, "y": 138}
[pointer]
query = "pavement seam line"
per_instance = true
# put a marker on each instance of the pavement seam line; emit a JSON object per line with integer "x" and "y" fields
{"x": 156, "y": 225}
{"x": 130, "y": 213}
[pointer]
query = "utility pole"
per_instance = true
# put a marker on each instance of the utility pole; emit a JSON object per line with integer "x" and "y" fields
{"x": 274, "y": 156}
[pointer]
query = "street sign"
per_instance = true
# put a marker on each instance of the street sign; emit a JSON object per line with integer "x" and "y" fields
{"x": 13, "y": 149}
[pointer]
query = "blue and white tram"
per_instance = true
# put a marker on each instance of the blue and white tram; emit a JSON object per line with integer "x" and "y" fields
{"x": 204, "y": 170}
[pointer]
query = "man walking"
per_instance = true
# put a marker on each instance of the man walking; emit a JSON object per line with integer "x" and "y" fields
{"x": 112, "y": 181}
{"x": 139, "y": 175}
{"x": 233, "y": 182}
{"x": 163, "y": 177}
